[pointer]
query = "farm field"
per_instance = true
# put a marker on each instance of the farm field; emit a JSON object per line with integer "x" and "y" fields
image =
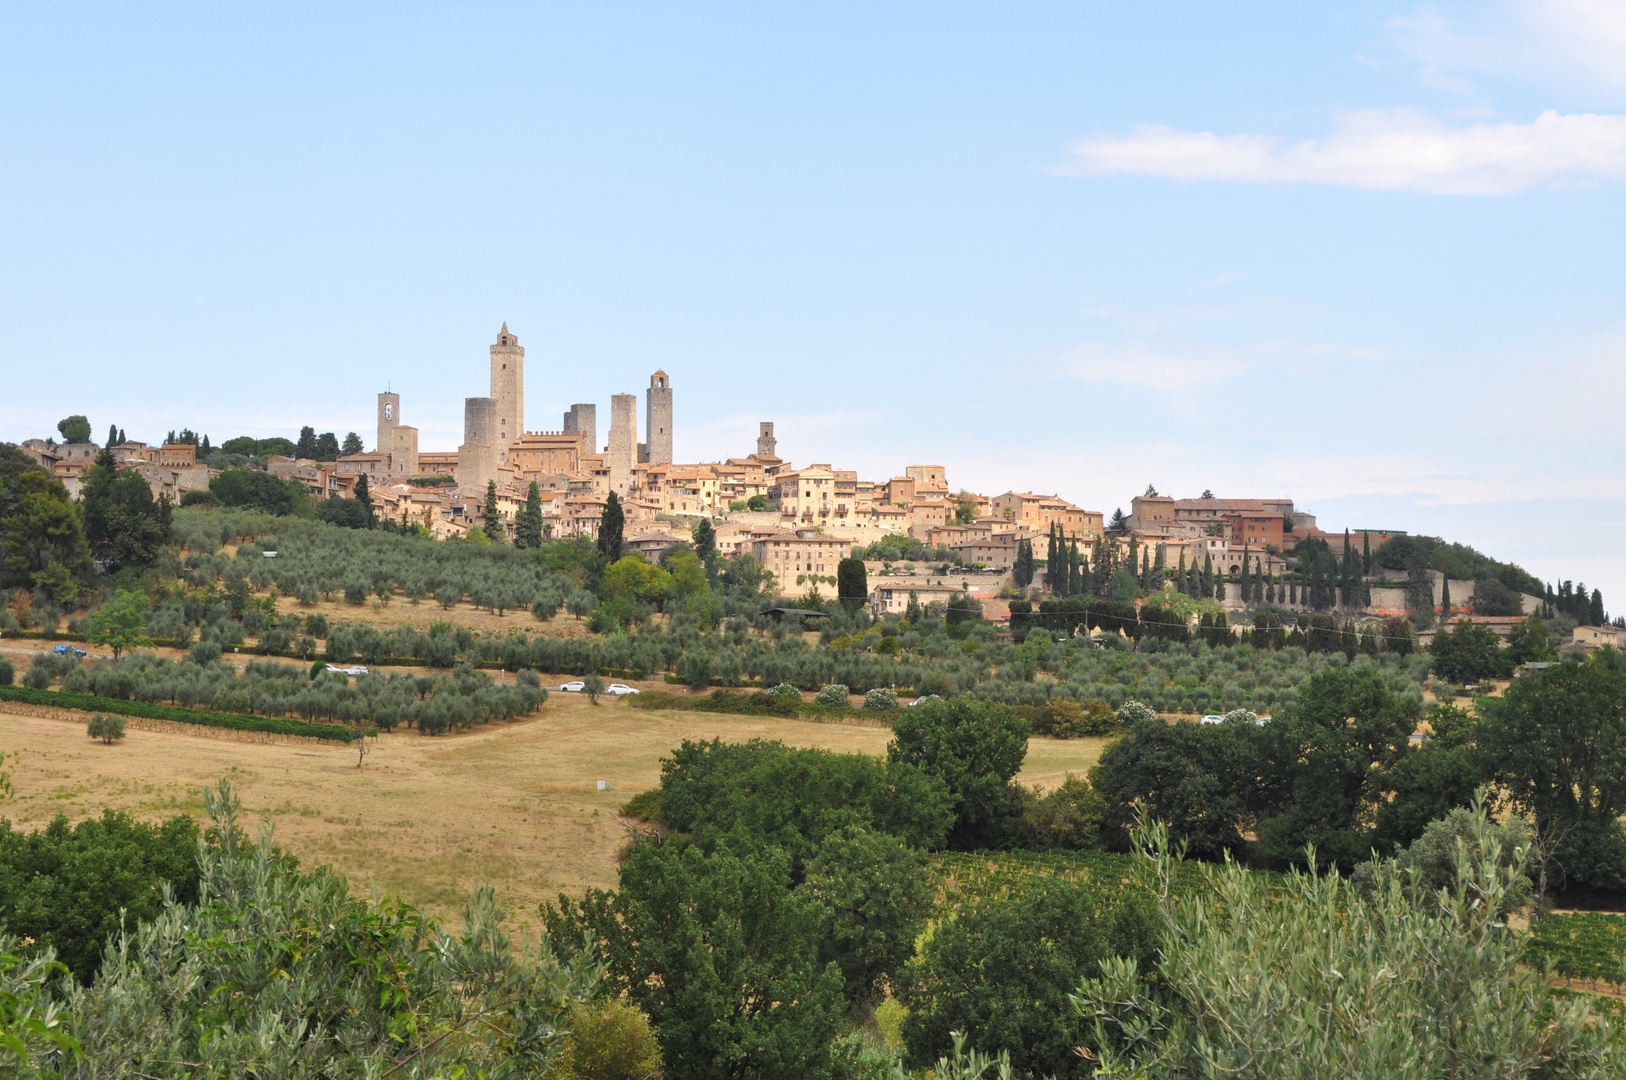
{"x": 512, "y": 804}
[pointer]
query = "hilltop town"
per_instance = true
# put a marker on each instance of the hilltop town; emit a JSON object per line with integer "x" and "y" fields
{"x": 922, "y": 539}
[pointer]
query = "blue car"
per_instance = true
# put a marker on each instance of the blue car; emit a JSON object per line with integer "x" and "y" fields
{"x": 70, "y": 650}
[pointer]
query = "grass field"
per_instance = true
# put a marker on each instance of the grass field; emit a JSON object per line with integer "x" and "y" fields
{"x": 512, "y": 804}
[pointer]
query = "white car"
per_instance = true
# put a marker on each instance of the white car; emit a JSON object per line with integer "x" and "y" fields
{"x": 1213, "y": 718}
{"x": 354, "y": 670}
{"x": 574, "y": 687}
{"x": 619, "y": 688}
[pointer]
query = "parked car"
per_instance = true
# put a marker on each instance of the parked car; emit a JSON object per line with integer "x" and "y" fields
{"x": 619, "y": 688}
{"x": 574, "y": 687}
{"x": 70, "y": 650}
{"x": 1213, "y": 718}
{"x": 355, "y": 669}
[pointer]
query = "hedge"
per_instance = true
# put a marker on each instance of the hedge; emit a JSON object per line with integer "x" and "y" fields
{"x": 179, "y": 714}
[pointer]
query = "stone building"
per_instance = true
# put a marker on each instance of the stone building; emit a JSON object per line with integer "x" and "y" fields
{"x": 766, "y": 444}
{"x": 477, "y": 457}
{"x": 658, "y": 419}
{"x": 623, "y": 451}
{"x": 396, "y": 441}
{"x": 507, "y": 392}
{"x": 583, "y": 419}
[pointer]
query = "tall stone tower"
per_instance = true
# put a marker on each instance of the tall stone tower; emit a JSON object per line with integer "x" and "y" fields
{"x": 507, "y": 392}
{"x": 658, "y": 419}
{"x": 584, "y": 419}
{"x": 389, "y": 416}
{"x": 623, "y": 441}
{"x": 765, "y": 440}
{"x": 477, "y": 457}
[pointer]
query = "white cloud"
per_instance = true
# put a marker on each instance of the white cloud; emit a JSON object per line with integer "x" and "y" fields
{"x": 1376, "y": 150}
{"x": 1578, "y": 44}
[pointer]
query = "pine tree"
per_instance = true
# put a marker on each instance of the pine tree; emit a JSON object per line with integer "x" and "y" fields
{"x": 352, "y": 445}
{"x": 528, "y": 523}
{"x": 491, "y": 517}
{"x": 610, "y": 527}
{"x": 306, "y": 447}
{"x": 364, "y": 496}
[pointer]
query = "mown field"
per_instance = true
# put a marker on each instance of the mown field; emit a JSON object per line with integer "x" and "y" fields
{"x": 515, "y": 804}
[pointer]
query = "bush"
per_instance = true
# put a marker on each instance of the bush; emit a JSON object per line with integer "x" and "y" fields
{"x": 833, "y": 695}
{"x": 38, "y": 676}
{"x": 69, "y": 887}
{"x": 645, "y": 806}
{"x": 8, "y": 674}
{"x": 107, "y": 727}
{"x": 785, "y": 692}
{"x": 881, "y": 699}
{"x": 1133, "y": 712}
{"x": 1003, "y": 970}
{"x": 610, "y": 1040}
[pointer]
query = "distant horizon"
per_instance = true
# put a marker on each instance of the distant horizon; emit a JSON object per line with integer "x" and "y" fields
{"x": 1363, "y": 258}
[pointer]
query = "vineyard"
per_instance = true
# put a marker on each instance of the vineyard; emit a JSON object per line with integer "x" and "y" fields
{"x": 1589, "y": 947}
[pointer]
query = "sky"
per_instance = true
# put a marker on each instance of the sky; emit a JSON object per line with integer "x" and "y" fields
{"x": 1366, "y": 255}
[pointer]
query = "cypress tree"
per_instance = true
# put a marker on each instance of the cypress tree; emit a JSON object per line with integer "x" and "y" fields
{"x": 365, "y": 497}
{"x": 491, "y": 517}
{"x": 1052, "y": 563}
{"x": 113, "y": 435}
{"x": 1366, "y": 552}
{"x": 1180, "y": 575}
{"x": 528, "y": 525}
{"x": 610, "y": 526}
{"x": 1208, "y": 574}
{"x": 1075, "y": 570}
{"x": 1247, "y": 586}
{"x": 1445, "y": 596}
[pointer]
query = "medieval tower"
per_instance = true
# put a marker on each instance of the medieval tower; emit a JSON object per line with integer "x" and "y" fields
{"x": 765, "y": 439}
{"x": 397, "y": 441}
{"x": 507, "y": 392}
{"x": 584, "y": 419}
{"x": 658, "y": 419}
{"x": 477, "y": 457}
{"x": 623, "y": 452}
{"x": 389, "y": 415}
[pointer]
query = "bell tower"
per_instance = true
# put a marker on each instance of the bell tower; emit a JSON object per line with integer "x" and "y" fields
{"x": 507, "y": 393}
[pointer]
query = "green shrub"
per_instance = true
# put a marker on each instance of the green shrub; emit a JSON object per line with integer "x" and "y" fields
{"x": 645, "y": 806}
{"x": 107, "y": 727}
{"x": 610, "y": 1040}
{"x": 785, "y": 692}
{"x": 8, "y": 674}
{"x": 38, "y": 676}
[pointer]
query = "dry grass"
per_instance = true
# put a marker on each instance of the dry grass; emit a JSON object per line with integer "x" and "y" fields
{"x": 402, "y": 612}
{"x": 515, "y": 804}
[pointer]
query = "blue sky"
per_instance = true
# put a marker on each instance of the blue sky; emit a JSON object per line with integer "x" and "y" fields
{"x": 1364, "y": 254}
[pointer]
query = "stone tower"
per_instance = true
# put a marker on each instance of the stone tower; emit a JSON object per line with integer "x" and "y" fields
{"x": 765, "y": 440}
{"x": 584, "y": 418}
{"x": 658, "y": 419}
{"x": 477, "y": 457}
{"x": 623, "y": 441}
{"x": 389, "y": 416}
{"x": 507, "y": 392}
